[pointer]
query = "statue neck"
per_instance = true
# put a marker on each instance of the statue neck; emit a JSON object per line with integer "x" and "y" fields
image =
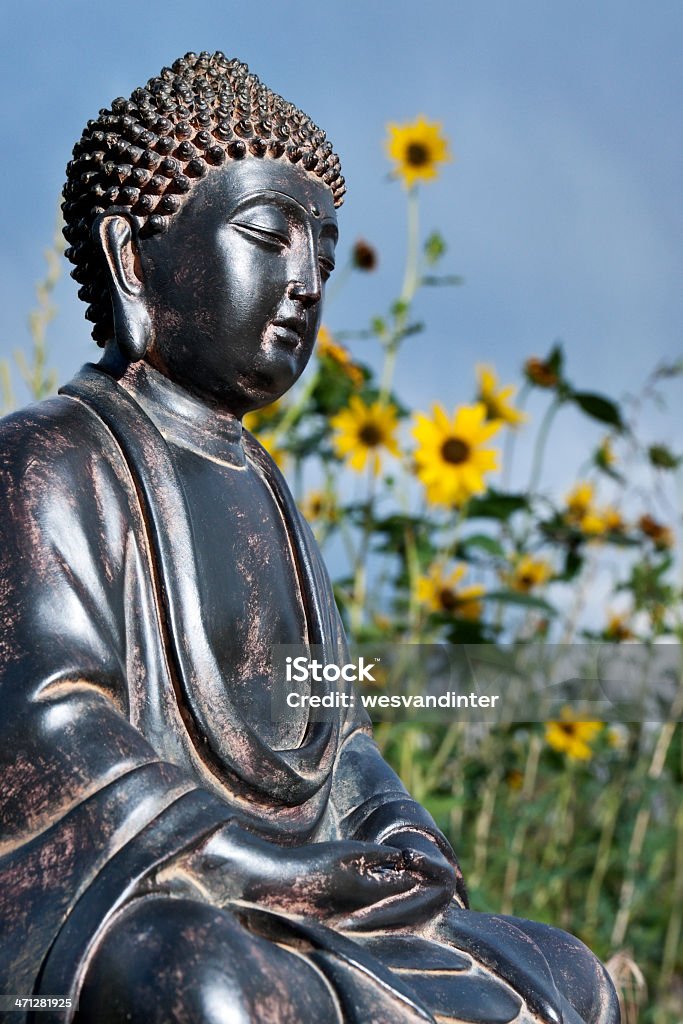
{"x": 182, "y": 418}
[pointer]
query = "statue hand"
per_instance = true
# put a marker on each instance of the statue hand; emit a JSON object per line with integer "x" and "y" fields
{"x": 433, "y": 886}
{"x": 346, "y": 883}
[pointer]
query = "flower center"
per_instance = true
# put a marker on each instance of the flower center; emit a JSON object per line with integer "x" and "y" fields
{"x": 448, "y": 599}
{"x": 370, "y": 435}
{"x": 455, "y": 451}
{"x": 417, "y": 154}
{"x": 568, "y": 728}
{"x": 494, "y": 409}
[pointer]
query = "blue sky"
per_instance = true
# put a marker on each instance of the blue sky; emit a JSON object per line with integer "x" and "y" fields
{"x": 562, "y": 209}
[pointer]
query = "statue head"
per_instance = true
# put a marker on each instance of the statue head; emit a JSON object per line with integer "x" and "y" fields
{"x": 201, "y": 220}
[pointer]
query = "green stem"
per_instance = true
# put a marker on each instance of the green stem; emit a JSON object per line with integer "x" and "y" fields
{"x": 442, "y": 755}
{"x": 628, "y": 889}
{"x": 562, "y": 826}
{"x": 296, "y": 408}
{"x": 411, "y": 282}
{"x": 517, "y": 845}
{"x": 672, "y": 940}
{"x": 360, "y": 567}
{"x": 413, "y": 567}
{"x": 482, "y": 826}
{"x": 602, "y": 860}
{"x": 38, "y": 379}
{"x": 410, "y": 279}
{"x": 541, "y": 441}
{"x": 511, "y": 439}
{"x": 6, "y": 388}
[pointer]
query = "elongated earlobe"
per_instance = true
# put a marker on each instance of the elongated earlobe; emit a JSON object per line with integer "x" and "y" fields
{"x": 132, "y": 322}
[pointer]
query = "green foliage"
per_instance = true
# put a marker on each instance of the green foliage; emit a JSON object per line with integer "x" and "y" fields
{"x": 662, "y": 457}
{"x": 599, "y": 407}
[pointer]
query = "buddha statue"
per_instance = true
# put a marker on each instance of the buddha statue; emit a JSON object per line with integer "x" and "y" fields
{"x": 168, "y": 851}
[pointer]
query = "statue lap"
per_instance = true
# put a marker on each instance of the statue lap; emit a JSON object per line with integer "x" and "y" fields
{"x": 168, "y": 957}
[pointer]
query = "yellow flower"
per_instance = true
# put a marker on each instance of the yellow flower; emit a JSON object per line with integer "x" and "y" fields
{"x": 618, "y": 628}
{"x": 441, "y": 593}
{"x": 661, "y": 535}
{"x": 614, "y": 521}
{"x": 362, "y": 431}
{"x": 540, "y": 373}
{"x": 571, "y": 737}
{"x": 592, "y": 520}
{"x": 528, "y": 573}
{"x": 514, "y": 778}
{"x": 268, "y": 439}
{"x": 579, "y": 501}
{"x": 259, "y": 418}
{"x": 330, "y": 349}
{"x": 319, "y": 505}
{"x": 450, "y": 459}
{"x": 605, "y": 456}
{"x": 497, "y": 399}
{"x": 382, "y": 622}
{"x": 417, "y": 148}
{"x": 593, "y": 523}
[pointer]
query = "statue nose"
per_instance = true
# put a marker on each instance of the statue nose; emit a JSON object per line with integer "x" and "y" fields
{"x": 307, "y": 292}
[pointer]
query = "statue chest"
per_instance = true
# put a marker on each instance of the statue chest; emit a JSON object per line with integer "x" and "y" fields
{"x": 250, "y": 590}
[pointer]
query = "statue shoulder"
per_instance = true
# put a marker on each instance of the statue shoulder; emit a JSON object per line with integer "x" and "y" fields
{"x": 56, "y": 447}
{"x": 47, "y": 431}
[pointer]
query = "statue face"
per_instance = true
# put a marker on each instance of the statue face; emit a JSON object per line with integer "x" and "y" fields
{"x": 234, "y": 288}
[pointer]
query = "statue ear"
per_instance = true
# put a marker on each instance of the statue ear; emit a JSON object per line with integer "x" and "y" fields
{"x": 132, "y": 322}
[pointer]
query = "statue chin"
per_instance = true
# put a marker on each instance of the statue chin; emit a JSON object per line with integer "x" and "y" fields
{"x": 169, "y": 851}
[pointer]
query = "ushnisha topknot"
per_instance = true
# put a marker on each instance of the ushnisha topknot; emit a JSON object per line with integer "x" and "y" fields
{"x": 144, "y": 155}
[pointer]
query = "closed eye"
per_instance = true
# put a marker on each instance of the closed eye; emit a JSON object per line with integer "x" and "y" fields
{"x": 267, "y": 235}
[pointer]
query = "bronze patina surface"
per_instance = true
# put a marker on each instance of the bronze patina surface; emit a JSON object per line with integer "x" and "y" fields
{"x": 167, "y": 852}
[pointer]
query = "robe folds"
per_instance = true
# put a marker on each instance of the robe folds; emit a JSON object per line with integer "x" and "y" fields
{"x": 123, "y": 744}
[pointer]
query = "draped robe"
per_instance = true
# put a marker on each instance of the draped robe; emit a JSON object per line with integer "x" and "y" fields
{"x": 150, "y": 552}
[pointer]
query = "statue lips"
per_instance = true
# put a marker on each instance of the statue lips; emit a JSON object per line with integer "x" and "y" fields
{"x": 289, "y": 329}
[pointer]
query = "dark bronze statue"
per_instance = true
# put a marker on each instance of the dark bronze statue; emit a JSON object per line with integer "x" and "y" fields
{"x": 169, "y": 853}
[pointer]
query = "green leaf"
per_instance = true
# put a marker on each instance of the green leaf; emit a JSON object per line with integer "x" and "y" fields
{"x": 484, "y": 542}
{"x": 414, "y": 328}
{"x": 434, "y": 248}
{"x": 332, "y": 389}
{"x": 573, "y": 564}
{"x": 599, "y": 408}
{"x": 371, "y": 393}
{"x": 667, "y": 370}
{"x": 662, "y": 457}
{"x": 434, "y": 280}
{"x": 526, "y": 600}
{"x": 496, "y": 505}
{"x": 468, "y": 631}
{"x": 555, "y": 360}
{"x": 397, "y": 530}
{"x": 439, "y": 806}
